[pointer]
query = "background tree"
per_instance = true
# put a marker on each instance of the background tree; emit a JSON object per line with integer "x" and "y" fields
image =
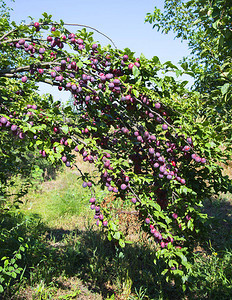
{"x": 206, "y": 25}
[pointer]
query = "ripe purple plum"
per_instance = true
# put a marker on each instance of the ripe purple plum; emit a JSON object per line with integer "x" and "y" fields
{"x": 157, "y": 154}
{"x": 64, "y": 158}
{"x": 123, "y": 186}
{"x": 24, "y": 79}
{"x": 174, "y": 215}
{"x": 169, "y": 176}
{"x": 41, "y": 50}
{"x": 92, "y": 200}
{"x": 147, "y": 220}
{"x": 189, "y": 140}
{"x": 133, "y": 200}
{"x": 203, "y": 160}
{"x": 84, "y": 184}
{"x": 14, "y": 127}
{"x": 116, "y": 81}
{"x": 164, "y": 126}
{"x": 157, "y": 105}
{"x": 125, "y": 57}
{"x": 74, "y": 87}
{"x": 21, "y": 42}
{"x": 68, "y": 164}
{"x": 36, "y": 24}
{"x": 105, "y": 223}
{"x": 3, "y": 120}
{"x": 151, "y": 151}
{"x": 40, "y": 70}
{"x": 182, "y": 181}
{"x": 193, "y": 156}
{"x": 162, "y": 169}
{"x": 53, "y": 74}
{"x": 97, "y": 208}
{"x": 111, "y": 85}
{"x": 115, "y": 190}
{"x": 131, "y": 65}
{"x": 21, "y": 135}
{"x": 139, "y": 138}
{"x": 186, "y": 148}
{"x": 127, "y": 179}
{"x": 197, "y": 159}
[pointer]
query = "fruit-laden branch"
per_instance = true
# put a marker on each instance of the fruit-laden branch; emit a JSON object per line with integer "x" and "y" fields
{"x": 66, "y": 24}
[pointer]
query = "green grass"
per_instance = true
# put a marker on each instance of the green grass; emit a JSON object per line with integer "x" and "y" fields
{"x": 68, "y": 257}
{"x": 213, "y": 275}
{"x": 61, "y": 202}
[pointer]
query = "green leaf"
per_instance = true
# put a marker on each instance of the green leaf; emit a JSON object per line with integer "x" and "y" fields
{"x": 196, "y": 22}
{"x": 22, "y": 248}
{"x": 109, "y": 236}
{"x": 170, "y": 64}
{"x": 135, "y": 71}
{"x": 59, "y": 149}
{"x": 122, "y": 243}
{"x": 178, "y": 73}
{"x": 112, "y": 226}
{"x": 80, "y": 64}
{"x": 4, "y": 257}
{"x": 155, "y": 60}
{"x": 225, "y": 88}
{"x": 6, "y": 262}
{"x": 185, "y": 66}
{"x": 221, "y": 41}
{"x": 116, "y": 235}
{"x": 13, "y": 274}
{"x": 136, "y": 93}
{"x": 56, "y": 33}
{"x": 39, "y": 142}
{"x": 215, "y": 24}
{"x": 65, "y": 129}
{"x": 164, "y": 272}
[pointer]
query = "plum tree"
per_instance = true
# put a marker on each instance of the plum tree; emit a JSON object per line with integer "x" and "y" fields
{"x": 142, "y": 132}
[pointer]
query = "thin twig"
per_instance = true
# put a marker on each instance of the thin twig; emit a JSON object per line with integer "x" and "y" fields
{"x": 66, "y": 24}
{"x": 90, "y": 27}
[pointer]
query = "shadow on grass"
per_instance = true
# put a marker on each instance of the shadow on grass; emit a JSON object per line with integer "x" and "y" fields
{"x": 55, "y": 256}
{"x": 219, "y": 224}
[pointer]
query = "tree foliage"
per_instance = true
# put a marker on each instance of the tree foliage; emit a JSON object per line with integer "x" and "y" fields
{"x": 206, "y": 25}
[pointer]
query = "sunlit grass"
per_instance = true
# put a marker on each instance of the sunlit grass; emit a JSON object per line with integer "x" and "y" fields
{"x": 60, "y": 202}
{"x": 70, "y": 258}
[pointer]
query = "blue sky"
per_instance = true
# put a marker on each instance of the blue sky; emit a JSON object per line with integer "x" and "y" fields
{"x": 121, "y": 20}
